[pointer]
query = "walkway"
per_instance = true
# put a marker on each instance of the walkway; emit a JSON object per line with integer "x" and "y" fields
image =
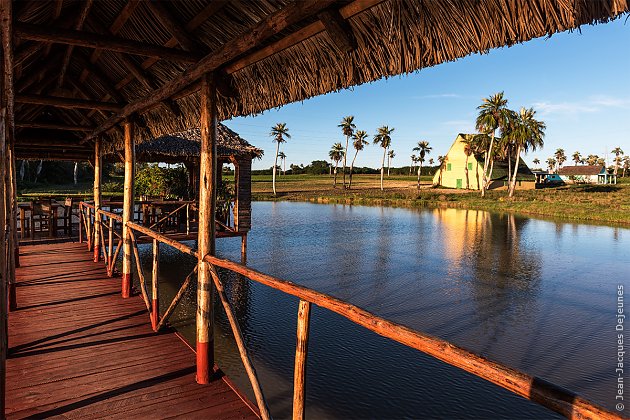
{"x": 77, "y": 349}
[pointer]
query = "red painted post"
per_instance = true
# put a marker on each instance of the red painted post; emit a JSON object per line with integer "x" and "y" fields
{"x": 128, "y": 208}
{"x": 97, "y": 199}
{"x": 155, "y": 307}
{"x": 80, "y": 223}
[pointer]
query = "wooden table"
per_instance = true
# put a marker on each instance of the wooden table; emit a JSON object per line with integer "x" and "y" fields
{"x": 54, "y": 210}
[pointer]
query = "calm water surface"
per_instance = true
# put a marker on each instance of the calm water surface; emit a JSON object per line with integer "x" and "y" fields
{"x": 533, "y": 294}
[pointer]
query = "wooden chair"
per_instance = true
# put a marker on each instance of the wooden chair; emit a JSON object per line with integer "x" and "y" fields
{"x": 67, "y": 216}
{"x": 40, "y": 213}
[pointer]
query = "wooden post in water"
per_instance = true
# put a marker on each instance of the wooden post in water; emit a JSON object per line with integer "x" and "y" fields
{"x": 301, "y": 351}
{"x": 207, "y": 229}
{"x": 155, "y": 309}
{"x": 244, "y": 249}
{"x": 128, "y": 207}
{"x": 97, "y": 198}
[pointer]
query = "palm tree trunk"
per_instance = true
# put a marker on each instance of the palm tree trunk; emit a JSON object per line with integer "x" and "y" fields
{"x": 513, "y": 183}
{"x": 335, "y": 181}
{"x": 388, "y": 164}
{"x": 351, "y": 167}
{"x": 485, "y": 166}
{"x": 344, "y": 162}
{"x": 419, "y": 173}
{"x": 489, "y": 180}
{"x": 275, "y": 165}
{"x": 509, "y": 164}
{"x": 75, "y": 173}
{"x": 466, "y": 169}
{"x": 383, "y": 167}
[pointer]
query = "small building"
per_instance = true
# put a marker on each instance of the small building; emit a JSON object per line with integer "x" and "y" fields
{"x": 586, "y": 174}
{"x": 463, "y": 170}
{"x": 544, "y": 178}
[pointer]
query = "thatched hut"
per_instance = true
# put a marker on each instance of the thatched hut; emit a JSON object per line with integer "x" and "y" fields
{"x": 185, "y": 147}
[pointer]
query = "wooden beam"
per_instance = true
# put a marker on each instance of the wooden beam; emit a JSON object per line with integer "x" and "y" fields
{"x": 338, "y": 29}
{"x": 119, "y": 22}
{"x": 104, "y": 81}
{"x": 87, "y": 5}
{"x": 47, "y": 155}
{"x": 273, "y": 24}
{"x": 169, "y": 22}
{"x": 207, "y": 230}
{"x": 91, "y": 40}
{"x": 52, "y": 126}
{"x": 66, "y": 102}
{"x": 48, "y": 142}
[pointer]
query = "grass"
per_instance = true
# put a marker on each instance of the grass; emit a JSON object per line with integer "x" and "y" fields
{"x": 598, "y": 203}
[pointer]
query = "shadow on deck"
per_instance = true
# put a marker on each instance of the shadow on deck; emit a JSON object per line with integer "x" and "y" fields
{"x": 77, "y": 349}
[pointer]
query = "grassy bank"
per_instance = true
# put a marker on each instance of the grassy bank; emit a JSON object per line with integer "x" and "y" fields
{"x": 600, "y": 203}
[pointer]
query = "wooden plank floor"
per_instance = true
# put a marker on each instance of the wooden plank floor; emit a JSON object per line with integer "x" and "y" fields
{"x": 78, "y": 350}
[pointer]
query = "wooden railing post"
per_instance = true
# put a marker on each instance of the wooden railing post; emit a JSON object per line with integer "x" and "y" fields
{"x": 206, "y": 233}
{"x": 128, "y": 207}
{"x": 97, "y": 198}
{"x": 110, "y": 246}
{"x": 80, "y": 222}
{"x": 301, "y": 351}
{"x": 88, "y": 232}
{"x": 155, "y": 308}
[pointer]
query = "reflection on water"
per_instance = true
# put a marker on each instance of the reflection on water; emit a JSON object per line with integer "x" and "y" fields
{"x": 534, "y": 294}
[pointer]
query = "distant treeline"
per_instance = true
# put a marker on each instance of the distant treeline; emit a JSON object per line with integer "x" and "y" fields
{"x": 321, "y": 167}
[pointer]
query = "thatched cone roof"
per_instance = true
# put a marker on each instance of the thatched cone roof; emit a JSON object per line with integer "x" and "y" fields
{"x": 185, "y": 146}
{"x": 299, "y": 60}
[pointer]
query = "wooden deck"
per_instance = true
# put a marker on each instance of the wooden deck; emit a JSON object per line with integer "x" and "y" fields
{"x": 77, "y": 349}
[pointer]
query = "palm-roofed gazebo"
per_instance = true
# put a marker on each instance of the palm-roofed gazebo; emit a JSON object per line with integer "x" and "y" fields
{"x": 80, "y": 76}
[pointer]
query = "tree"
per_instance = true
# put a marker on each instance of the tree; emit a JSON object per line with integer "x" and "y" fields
{"x": 626, "y": 165}
{"x": 536, "y": 161}
{"x": 526, "y": 134}
{"x": 280, "y": 133}
{"x": 390, "y": 156}
{"x": 347, "y": 128}
{"x": 431, "y": 161}
{"x": 592, "y": 159}
{"x": 359, "y": 142}
{"x": 283, "y": 158}
{"x": 441, "y": 160}
{"x": 336, "y": 154}
{"x": 618, "y": 153}
{"x": 551, "y": 164}
{"x": 577, "y": 158}
{"x": 493, "y": 116}
{"x": 561, "y": 157}
{"x": 413, "y": 162}
{"x": 383, "y": 138}
{"x": 468, "y": 150}
{"x": 423, "y": 149}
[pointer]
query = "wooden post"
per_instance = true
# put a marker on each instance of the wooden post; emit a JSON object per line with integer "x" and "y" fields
{"x": 11, "y": 222}
{"x": 97, "y": 198}
{"x": 110, "y": 245}
{"x": 80, "y": 223}
{"x": 301, "y": 351}
{"x": 155, "y": 309}
{"x": 128, "y": 207}
{"x": 206, "y": 234}
{"x": 88, "y": 227}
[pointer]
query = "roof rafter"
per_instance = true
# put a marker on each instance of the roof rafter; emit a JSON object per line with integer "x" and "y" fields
{"x": 61, "y": 102}
{"x": 172, "y": 26}
{"x": 87, "y": 6}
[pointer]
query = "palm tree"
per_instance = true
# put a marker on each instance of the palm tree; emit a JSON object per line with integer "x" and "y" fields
{"x": 577, "y": 158}
{"x": 390, "y": 156}
{"x": 336, "y": 155}
{"x": 527, "y": 134}
{"x": 383, "y": 138}
{"x": 413, "y": 162}
{"x": 424, "y": 149}
{"x": 280, "y": 133}
{"x": 618, "y": 153}
{"x": 626, "y": 165}
{"x": 561, "y": 157}
{"x": 493, "y": 116}
{"x": 431, "y": 161}
{"x": 441, "y": 160}
{"x": 359, "y": 142}
{"x": 551, "y": 164}
{"x": 468, "y": 150}
{"x": 283, "y": 158}
{"x": 592, "y": 159}
{"x": 347, "y": 128}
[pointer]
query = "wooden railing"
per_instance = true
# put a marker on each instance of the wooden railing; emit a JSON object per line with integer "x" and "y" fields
{"x": 529, "y": 387}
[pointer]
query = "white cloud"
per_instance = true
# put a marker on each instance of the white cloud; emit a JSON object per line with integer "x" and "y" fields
{"x": 592, "y": 104}
{"x": 439, "y": 96}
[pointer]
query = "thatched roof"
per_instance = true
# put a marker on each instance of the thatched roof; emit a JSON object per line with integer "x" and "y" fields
{"x": 581, "y": 170}
{"x": 269, "y": 52}
{"x": 185, "y": 146}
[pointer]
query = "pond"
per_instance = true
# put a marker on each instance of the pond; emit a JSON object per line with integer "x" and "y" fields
{"x": 536, "y": 295}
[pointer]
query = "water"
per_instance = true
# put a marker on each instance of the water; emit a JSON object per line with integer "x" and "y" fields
{"x": 534, "y": 294}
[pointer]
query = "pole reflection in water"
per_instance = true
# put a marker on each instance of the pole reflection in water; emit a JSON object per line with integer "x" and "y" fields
{"x": 533, "y": 294}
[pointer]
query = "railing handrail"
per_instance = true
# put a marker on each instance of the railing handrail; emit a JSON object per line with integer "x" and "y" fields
{"x": 530, "y": 387}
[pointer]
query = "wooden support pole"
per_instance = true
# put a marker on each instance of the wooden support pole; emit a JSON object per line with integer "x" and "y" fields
{"x": 88, "y": 227}
{"x": 128, "y": 207}
{"x": 244, "y": 249}
{"x": 110, "y": 245}
{"x": 206, "y": 235}
{"x": 3, "y": 262}
{"x": 301, "y": 351}
{"x": 155, "y": 307}
{"x": 97, "y": 197}
{"x": 80, "y": 223}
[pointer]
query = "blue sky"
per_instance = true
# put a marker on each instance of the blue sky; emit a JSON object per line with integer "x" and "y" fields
{"x": 579, "y": 83}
